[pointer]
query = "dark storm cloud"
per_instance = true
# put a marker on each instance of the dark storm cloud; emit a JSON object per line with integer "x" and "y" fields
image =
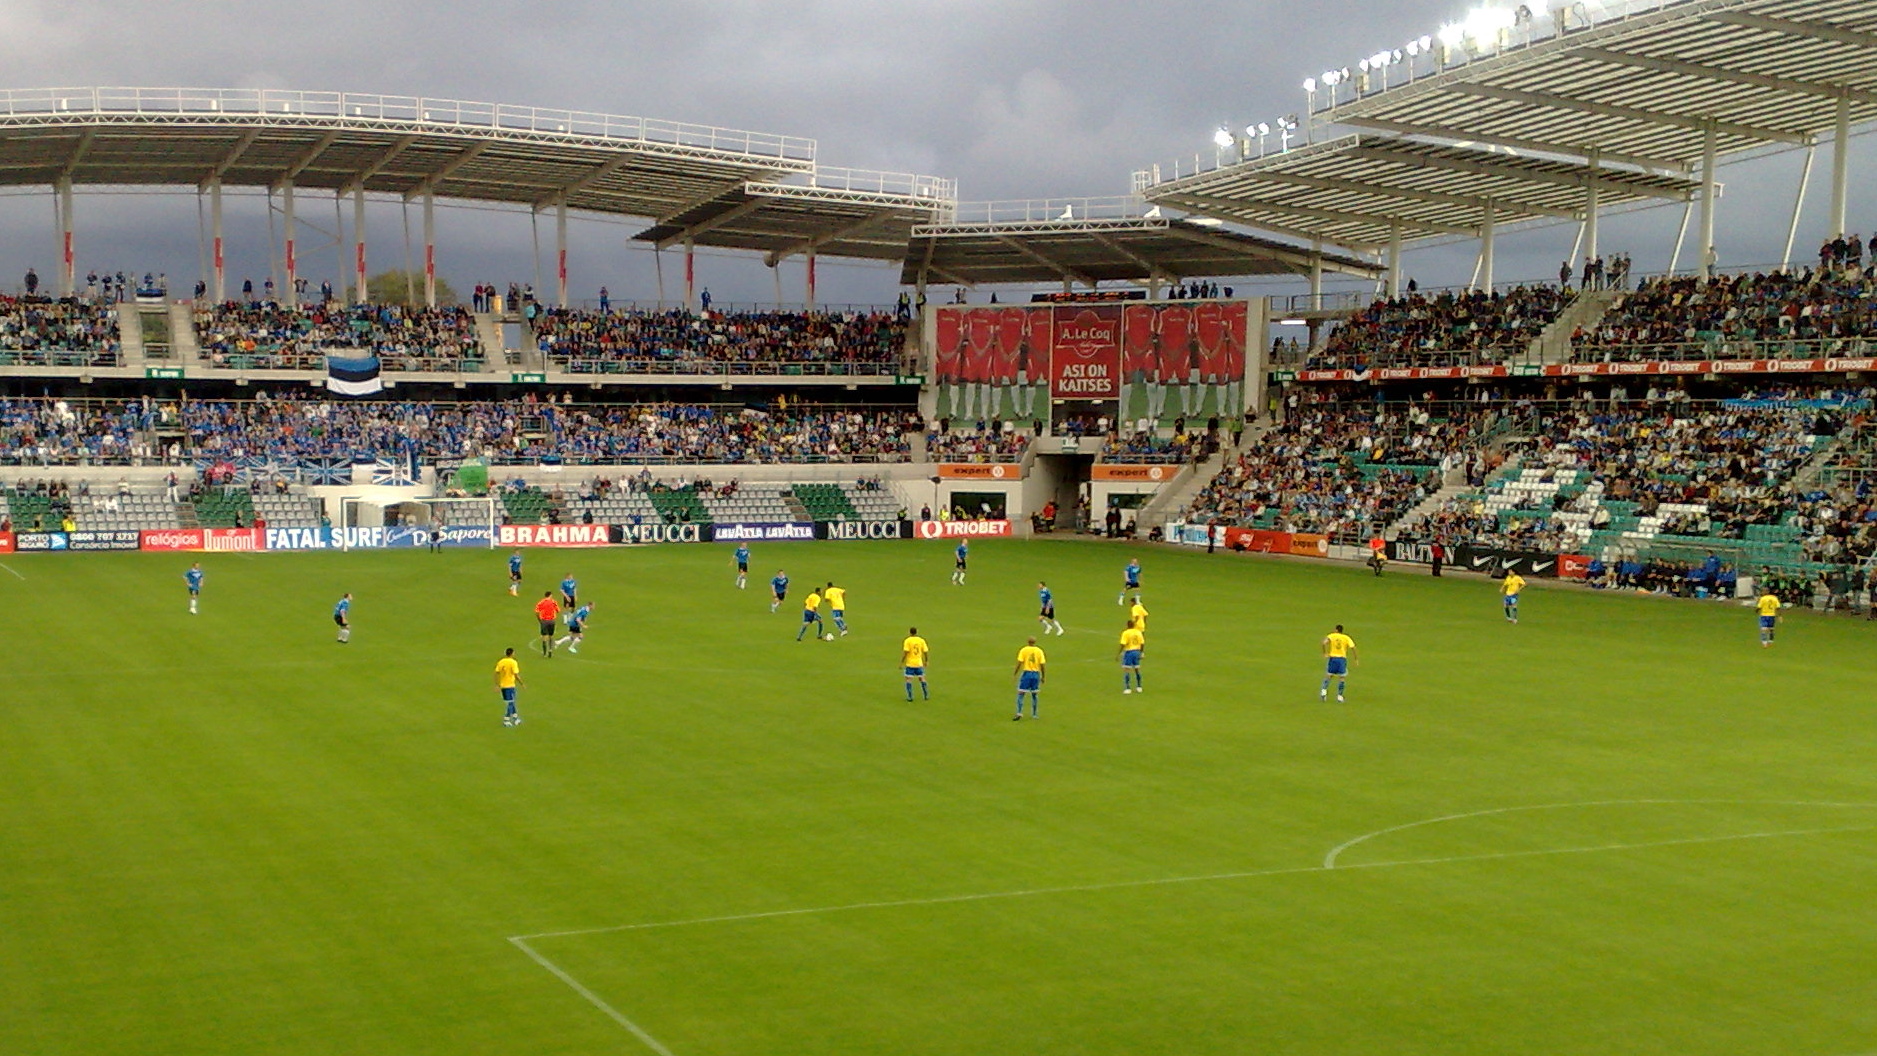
{"x": 1014, "y": 100}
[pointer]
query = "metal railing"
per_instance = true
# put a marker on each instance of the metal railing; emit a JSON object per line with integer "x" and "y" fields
{"x": 1727, "y": 348}
{"x": 939, "y": 189}
{"x": 1051, "y": 210}
{"x": 454, "y": 115}
{"x": 41, "y": 357}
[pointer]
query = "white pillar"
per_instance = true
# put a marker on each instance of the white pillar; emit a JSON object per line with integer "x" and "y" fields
{"x": 362, "y": 293}
{"x": 1316, "y": 274}
{"x": 293, "y": 264}
{"x": 218, "y": 264}
{"x": 1840, "y": 168}
{"x": 430, "y": 248}
{"x": 1593, "y": 195}
{"x": 68, "y": 269}
{"x": 1488, "y": 240}
{"x": 560, "y": 247}
{"x": 1798, "y": 207}
{"x": 1707, "y": 203}
{"x": 690, "y": 276}
{"x": 808, "y": 301}
{"x": 1394, "y": 260}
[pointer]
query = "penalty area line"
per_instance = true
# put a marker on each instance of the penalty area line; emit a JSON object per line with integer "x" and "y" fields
{"x": 592, "y": 998}
{"x": 10, "y": 568}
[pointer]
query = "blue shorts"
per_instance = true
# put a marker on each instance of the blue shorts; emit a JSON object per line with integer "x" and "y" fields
{"x": 508, "y": 694}
{"x": 1512, "y": 599}
{"x": 1029, "y": 681}
{"x": 839, "y": 614}
{"x": 1338, "y": 665}
{"x": 1131, "y": 658}
{"x": 1766, "y": 622}
{"x": 915, "y": 672}
{"x": 810, "y": 616}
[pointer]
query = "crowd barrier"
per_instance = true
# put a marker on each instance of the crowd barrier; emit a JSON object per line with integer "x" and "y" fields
{"x": 403, "y": 537}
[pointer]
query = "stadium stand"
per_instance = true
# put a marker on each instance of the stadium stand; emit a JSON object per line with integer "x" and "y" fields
{"x": 38, "y": 331}
{"x": 977, "y": 446}
{"x": 1442, "y": 329}
{"x": 1778, "y": 315}
{"x": 267, "y": 335}
{"x": 682, "y": 342}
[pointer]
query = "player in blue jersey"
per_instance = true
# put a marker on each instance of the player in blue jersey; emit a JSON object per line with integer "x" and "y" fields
{"x": 1132, "y": 583}
{"x": 514, "y": 573}
{"x": 742, "y": 566}
{"x": 342, "y": 615}
{"x": 569, "y": 591}
{"x": 193, "y": 577}
{"x": 778, "y": 589}
{"x": 576, "y": 628}
{"x": 1047, "y": 614}
{"x": 960, "y": 556}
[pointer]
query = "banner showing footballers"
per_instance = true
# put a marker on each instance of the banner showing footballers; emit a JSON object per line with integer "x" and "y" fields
{"x": 948, "y": 358}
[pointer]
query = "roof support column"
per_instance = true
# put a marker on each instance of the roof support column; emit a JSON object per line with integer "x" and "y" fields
{"x": 68, "y": 269}
{"x": 430, "y": 249}
{"x": 1798, "y": 207}
{"x": 292, "y": 262}
{"x": 1707, "y": 203}
{"x": 1681, "y": 236}
{"x": 690, "y": 275}
{"x": 359, "y": 295}
{"x": 560, "y": 248}
{"x": 1488, "y": 242}
{"x": 1394, "y": 260}
{"x": 1316, "y": 274}
{"x": 217, "y": 263}
{"x": 1592, "y": 206}
{"x": 1840, "y": 167}
{"x": 808, "y": 302}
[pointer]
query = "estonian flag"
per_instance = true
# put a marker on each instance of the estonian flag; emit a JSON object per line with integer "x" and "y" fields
{"x": 349, "y": 376}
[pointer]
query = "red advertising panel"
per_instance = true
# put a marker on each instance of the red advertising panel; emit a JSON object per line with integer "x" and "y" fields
{"x": 1257, "y": 540}
{"x": 234, "y": 538}
{"x": 961, "y": 529}
{"x": 1085, "y": 360}
{"x": 553, "y": 535}
{"x": 171, "y": 539}
{"x": 1596, "y": 370}
{"x": 1573, "y": 566}
{"x": 6, "y": 542}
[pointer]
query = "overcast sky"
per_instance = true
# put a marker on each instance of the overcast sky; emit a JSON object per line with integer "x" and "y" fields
{"x": 1015, "y": 100}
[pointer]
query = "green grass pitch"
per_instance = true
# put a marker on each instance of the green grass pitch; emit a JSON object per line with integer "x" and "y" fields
{"x": 1619, "y": 827}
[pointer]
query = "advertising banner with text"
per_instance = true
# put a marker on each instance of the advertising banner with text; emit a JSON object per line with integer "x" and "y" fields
{"x": 1499, "y": 562}
{"x": 6, "y": 542}
{"x": 980, "y": 471}
{"x": 1671, "y": 368}
{"x": 119, "y": 539}
{"x": 1258, "y": 540}
{"x": 962, "y": 529}
{"x": 1085, "y": 355}
{"x": 1153, "y": 474}
{"x": 553, "y": 535}
{"x": 234, "y": 539}
{"x": 762, "y": 533}
{"x": 851, "y": 530}
{"x": 170, "y": 539}
{"x": 1573, "y": 566}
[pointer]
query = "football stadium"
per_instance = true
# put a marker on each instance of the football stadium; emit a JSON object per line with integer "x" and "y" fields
{"x": 410, "y": 662}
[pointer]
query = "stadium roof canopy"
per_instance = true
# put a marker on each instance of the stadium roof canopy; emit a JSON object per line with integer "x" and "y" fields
{"x": 728, "y": 187}
{"x": 1520, "y": 108}
{"x": 1086, "y": 241}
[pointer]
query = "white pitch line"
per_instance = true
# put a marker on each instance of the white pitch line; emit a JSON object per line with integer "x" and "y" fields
{"x": 9, "y": 568}
{"x": 594, "y": 999}
{"x": 1329, "y": 860}
{"x": 1165, "y": 881}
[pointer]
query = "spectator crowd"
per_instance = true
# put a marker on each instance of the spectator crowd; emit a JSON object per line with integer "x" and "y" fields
{"x": 270, "y": 335}
{"x": 705, "y": 342}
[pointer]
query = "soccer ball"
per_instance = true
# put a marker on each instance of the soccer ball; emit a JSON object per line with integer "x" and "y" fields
{"x": 827, "y": 637}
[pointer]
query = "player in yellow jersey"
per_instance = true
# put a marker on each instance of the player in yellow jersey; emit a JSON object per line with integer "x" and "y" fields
{"x": 1509, "y": 590}
{"x": 1029, "y": 672}
{"x": 912, "y": 657}
{"x": 811, "y": 613}
{"x": 1768, "y": 606}
{"x": 1339, "y": 651}
{"x": 1133, "y": 644}
{"x": 507, "y": 681}
{"x": 837, "y": 605}
{"x": 1137, "y": 615}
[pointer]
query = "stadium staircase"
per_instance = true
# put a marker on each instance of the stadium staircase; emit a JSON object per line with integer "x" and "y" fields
{"x": 916, "y": 441}
{"x": 489, "y": 336}
{"x": 1827, "y": 454}
{"x": 130, "y": 334}
{"x": 680, "y": 507}
{"x": 182, "y": 331}
{"x": 1587, "y": 310}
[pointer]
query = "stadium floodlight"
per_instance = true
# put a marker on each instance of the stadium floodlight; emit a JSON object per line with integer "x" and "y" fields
{"x": 1310, "y": 85}
{"x": 1452, "y": 35}
{"x": 1264, "y": 129}
{"x": 1483, "y": 25}
{"x": 1223, "y": 138}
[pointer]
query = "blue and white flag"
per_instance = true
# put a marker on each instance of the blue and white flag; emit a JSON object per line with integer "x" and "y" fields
{"x": 353, "y": 376}
{"x": 392, "y": 472}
